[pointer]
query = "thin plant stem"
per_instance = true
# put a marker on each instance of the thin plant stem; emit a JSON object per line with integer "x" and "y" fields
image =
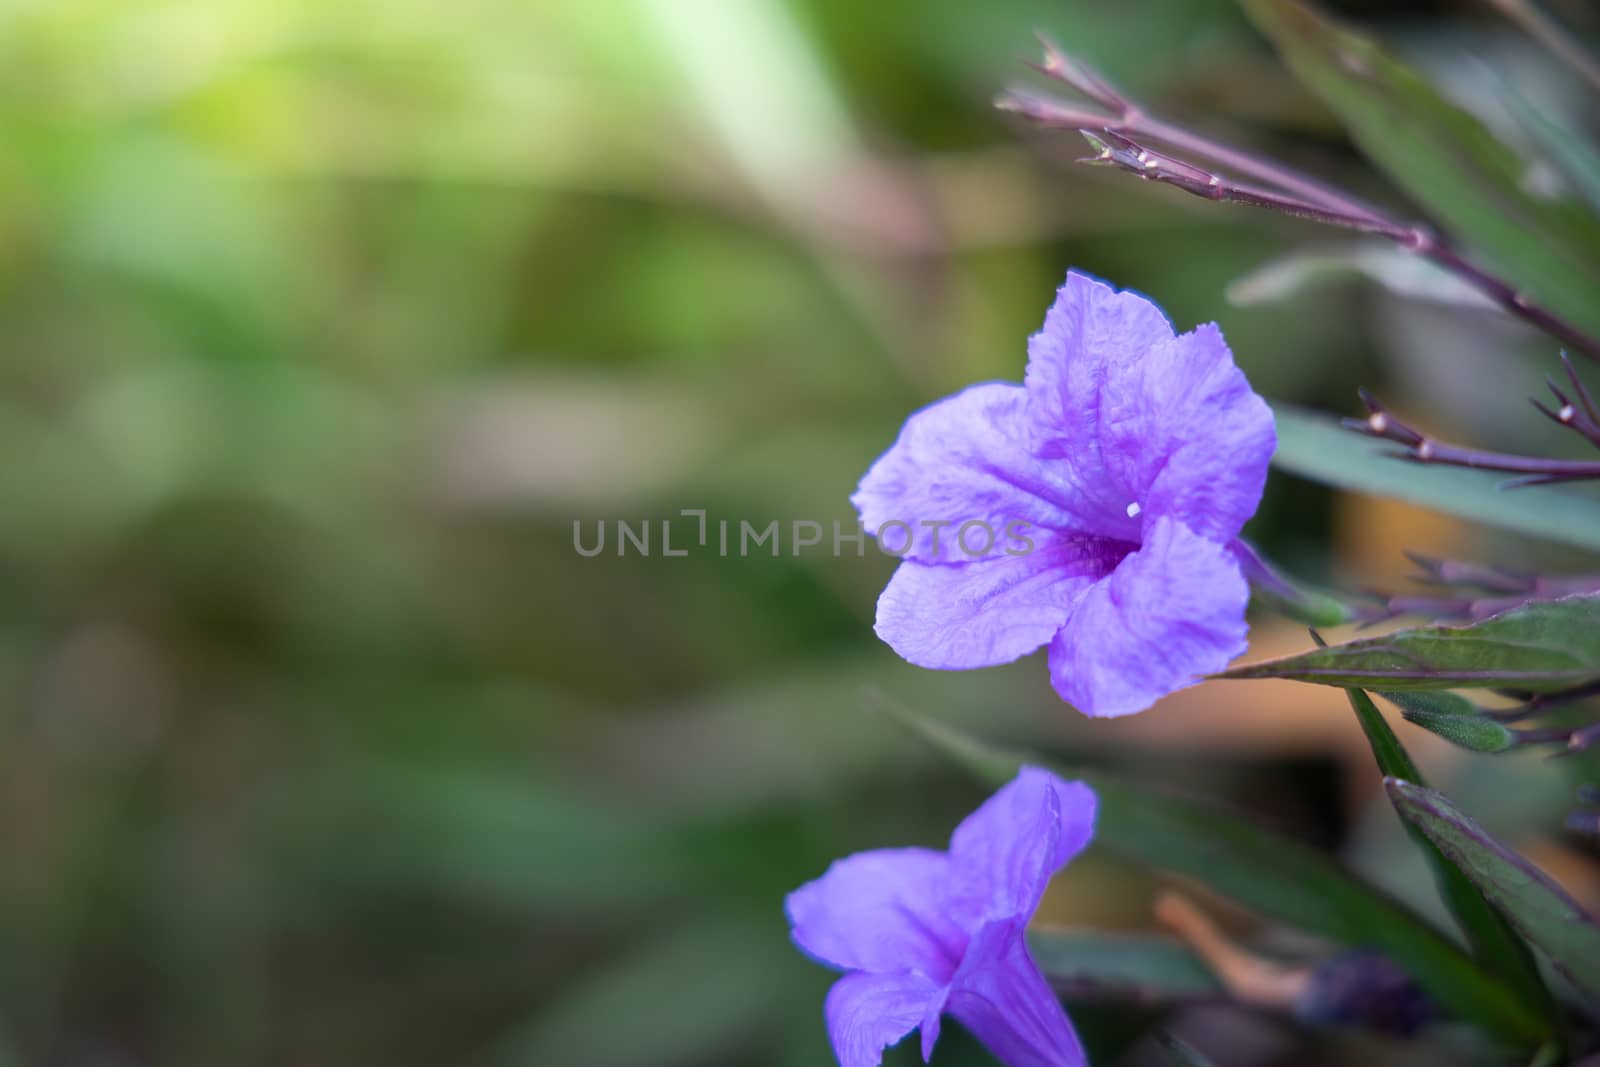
{"x": 1115, "y": 131}
{"x": 1421, "y": 448}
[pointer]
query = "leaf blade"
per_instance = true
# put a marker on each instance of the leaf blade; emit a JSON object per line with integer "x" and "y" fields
{"x": 1530, "y": 900}
{"x": 1493, "y": 941}
{"x": 1141, "y": 965}
{"x": 1314, "y": 447}
{"x": 1541, "y": 647}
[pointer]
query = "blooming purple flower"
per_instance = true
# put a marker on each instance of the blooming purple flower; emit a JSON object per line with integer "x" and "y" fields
{"x": 1131, "y": 456}
{"x": 922, "y": 933}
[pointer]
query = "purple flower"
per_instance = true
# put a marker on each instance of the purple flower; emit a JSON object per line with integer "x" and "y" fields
{"x": 922, "y": 933}
{"x": 1115, "y": 478}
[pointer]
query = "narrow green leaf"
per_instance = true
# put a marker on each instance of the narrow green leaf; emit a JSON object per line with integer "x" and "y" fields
{"x": 1541, "y": 647}
{"x": 1136, "y": 965}
{"x": 1445, "y": 158}
{"x": 1436, "y": 702}
{"x": 1471, "y": 732}
{"x": 1273, "y": 874}
{"x": 1393, "y": 760}
{"x": 1400, "y": 272}
{"x": 1316, "y": 447}
{"x": 1529, "y": 899}
{"x": 1495, "y": 944}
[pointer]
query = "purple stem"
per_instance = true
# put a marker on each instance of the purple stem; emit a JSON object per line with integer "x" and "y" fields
{"x": 1420, "y": 448}
{"x": 1287, "y": 190}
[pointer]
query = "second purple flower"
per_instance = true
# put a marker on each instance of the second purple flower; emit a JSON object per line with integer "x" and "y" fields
{"x": 1129, "y": 459}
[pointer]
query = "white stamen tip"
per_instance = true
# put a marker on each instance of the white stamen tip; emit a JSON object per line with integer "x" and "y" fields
{"x": 1133, "y": 510}
{"x": 1567, "y": 412}
{"x": 1378, "y": 421}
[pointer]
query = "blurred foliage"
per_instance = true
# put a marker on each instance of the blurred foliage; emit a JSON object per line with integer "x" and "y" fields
{"x": 322, "y": 324}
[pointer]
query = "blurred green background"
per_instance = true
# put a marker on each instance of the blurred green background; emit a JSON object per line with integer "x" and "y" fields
{"x": 323, "y": 323}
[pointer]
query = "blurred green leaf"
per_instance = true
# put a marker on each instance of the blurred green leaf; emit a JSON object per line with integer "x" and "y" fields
{"x": 1317, "y": 448}
{"x": 1494, "y": 943}
{"x": 1142, "y": 966}
{"x": 502, "y": 840}
{"x": 1268, "y": 872}
{"x": 1400, "y": 272}
{"x": 676, "y": 998}
{"x": 1540, "y": 647}
{"x": 1445, "y": 158}
{"x": 1572, "y": 153}
{"x": 1530, "y": 899}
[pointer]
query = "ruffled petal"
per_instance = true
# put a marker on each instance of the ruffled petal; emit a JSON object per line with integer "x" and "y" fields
{"x": 881, "y": 911}
{"x": 1000, "y": 996}
{"x": 958, "y": 616}
{"x": 867, "y": 1013}
{"x": 1152, "y": 425}
{"x": 1090, "y": 334}
{"x": 964, "y": 460}
{"x": 1003, "y": 855}
{"x": 1200, "y": 451}
{"x": 1174, "y": 610}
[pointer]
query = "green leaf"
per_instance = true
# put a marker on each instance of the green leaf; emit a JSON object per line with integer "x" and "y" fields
{"x": 1273, "y": 874}
{"x": 1315, "y": 447}
{"x": 1540, "y": 647}
{"x": 1445, "y": 158}
{"x": 1568, "y": 149}
{"x": 1137, "y": 965}
{"x": 1494, "y": 943}
{"x": 1400, "y": 272}
{"x": 1529, "y": 899}
{"x": 1393, "y": 760}
{"x": 678, "y": 1009}
{"x": 1472, "y": 732}
{"x": 1439, "y": 703}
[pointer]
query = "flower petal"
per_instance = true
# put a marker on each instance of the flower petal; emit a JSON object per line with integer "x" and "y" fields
{"x": 1172, "y": 611}
{"x": 867, "y": 1013}
{"x": 881, "y": 911}
{"x": 1003, "y": 854}
{"x": 1201, "y": 450}
{"x": 964, "y": 460}
{"x": 958, "y": 616}
{"x": 1000, "y": 996}
{"x": 1151, "y": 424}
{"x": 1090, "y": 334}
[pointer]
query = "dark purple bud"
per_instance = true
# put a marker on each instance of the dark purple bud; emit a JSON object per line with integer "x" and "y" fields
{"x": 1365, "y": 989}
